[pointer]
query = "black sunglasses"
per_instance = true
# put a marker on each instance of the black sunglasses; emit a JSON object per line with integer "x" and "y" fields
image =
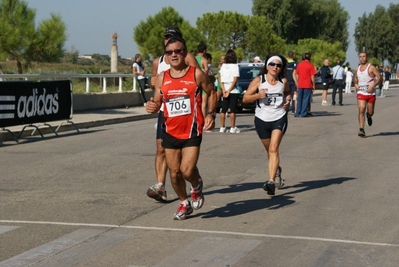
{"x": 272, "y": 64}
{"x": 176, "y": 51}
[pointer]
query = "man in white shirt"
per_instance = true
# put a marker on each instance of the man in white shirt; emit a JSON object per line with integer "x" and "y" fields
{"x": 338, "y": 76}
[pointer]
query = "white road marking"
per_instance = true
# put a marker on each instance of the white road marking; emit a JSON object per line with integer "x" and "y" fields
{"x": 205, "y": 231}
{"x": 39, "y": 253}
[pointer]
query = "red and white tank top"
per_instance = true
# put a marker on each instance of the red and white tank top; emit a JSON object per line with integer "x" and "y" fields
{"x": 364, "y": 81}
{"x": 182, "y": 101}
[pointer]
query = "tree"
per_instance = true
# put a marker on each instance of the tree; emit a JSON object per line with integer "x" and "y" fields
{"x": 148, "y": 34}
{"x": 20, "y": 39}
{"x": 260, "y": 38}
{"x": 230, "y": 30}
{"x": 393, "y": 12}
{"x": 320, "y": 50}
{"x": 301, "y": 19}
{"x": 376, "y": 34}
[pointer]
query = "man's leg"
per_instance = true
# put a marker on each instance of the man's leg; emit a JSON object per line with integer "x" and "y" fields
{"x": 190, "y": 173}
{"x": 340, "y": 88}
{"x": 307, "y": 95}
{"x": 334, "y": 92}
{"x": 324, "y": 95}
{"x": 157, "y": 191}
{"x": 173, "y": 160}
{"x": 361, "y": 105}
{"x": 298, "y": 110}
{"x": 370, "y": 112}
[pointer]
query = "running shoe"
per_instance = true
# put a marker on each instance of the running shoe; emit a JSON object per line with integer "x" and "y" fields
{"x": 361, "y": 132}
{"x": 183, "y": 211}
{"x": 278, "y": 180}
{"x": 269, "y": 187}
{"x": 222, "y": 129}
{"x": 197, "y": 198}
{"x": 157, "y": 192}
{"x": 235, "y": 130}
{"x": 369, "y": 120}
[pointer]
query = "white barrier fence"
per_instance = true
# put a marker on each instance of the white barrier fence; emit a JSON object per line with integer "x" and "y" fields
{"x": 71, "y": 76}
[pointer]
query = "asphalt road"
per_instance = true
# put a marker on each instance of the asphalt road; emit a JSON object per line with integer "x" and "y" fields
{"x": 79, "y": 199}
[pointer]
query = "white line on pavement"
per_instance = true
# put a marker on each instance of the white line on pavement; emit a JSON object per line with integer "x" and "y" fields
{"x": 332, "y": 240}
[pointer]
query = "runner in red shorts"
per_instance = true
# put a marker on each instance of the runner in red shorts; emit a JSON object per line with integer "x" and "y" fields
{"x": 367, "y": 77}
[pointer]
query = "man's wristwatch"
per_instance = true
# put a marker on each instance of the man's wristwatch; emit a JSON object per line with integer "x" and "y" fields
{"x": 212, "y": 113}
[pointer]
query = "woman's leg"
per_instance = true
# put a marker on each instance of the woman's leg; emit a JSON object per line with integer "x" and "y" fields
{"x": 142, "y": 90}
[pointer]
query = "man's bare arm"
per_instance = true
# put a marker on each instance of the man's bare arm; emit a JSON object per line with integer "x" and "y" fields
{"x": 155, "y": 64}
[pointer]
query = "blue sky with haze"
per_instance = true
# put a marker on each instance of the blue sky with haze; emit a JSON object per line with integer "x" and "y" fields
{"x": 90, "y": 23}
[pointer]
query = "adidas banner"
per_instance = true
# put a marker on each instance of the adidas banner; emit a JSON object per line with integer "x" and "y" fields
{"x": 29, "y": 102}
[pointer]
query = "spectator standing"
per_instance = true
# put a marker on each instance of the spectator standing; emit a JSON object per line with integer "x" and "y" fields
{"x": 138, "y": 70}
{"x": 203, "y": 63}
{"x": 218, "y": 86}
{"x": 378, "y": 91}
{"x": 229, "y": 74}
{"x": 325, "y": 74}
{"x": 256, "y": 61}
{"x": 338, "y": 82}
{"x": 291, "y": 66}
{"x": 348, "y": 81}
{"x": 387, "y": 78}
{"x": 304, "y": 76}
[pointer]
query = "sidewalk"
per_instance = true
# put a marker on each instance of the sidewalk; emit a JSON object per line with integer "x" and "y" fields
{"x": 83, "y": 119}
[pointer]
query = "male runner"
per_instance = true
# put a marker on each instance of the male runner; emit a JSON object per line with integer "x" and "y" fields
{"x": 160, "y": 64}
{"x": 179, "y": 91}
{"x": 367, "y": 77}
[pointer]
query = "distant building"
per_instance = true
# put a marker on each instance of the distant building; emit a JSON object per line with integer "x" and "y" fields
{"x": 85, "y": 56}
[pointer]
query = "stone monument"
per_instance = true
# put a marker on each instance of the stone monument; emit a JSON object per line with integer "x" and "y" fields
{"x": 114, "y": 53}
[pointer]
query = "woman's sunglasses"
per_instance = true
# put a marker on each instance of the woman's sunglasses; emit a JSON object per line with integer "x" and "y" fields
{"x": 272, "y": 64}
{"x": 176, "y": 51}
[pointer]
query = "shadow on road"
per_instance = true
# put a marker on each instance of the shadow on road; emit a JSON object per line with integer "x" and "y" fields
{"x": 280, "y": 200}
{"x": 234, "y": 188}
{"x": 384, "y": 134}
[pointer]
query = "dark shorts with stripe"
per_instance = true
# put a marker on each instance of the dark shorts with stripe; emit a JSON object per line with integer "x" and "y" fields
{"x": 264, "y": 129}
{"x": 170, "y": 142}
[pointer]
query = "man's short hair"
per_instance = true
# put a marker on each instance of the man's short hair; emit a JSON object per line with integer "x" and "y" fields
{"x": 173, "y": 31}
{"x": 290, "y": 54}
{"x": 201, "y": 48}
{"x": 207, "y": 56}
{"x": 175, "y": 39}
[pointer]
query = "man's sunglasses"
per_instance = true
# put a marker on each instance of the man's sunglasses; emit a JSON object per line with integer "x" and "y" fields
{"x": 176, "y": 51}
{"x": 272, "y": 64}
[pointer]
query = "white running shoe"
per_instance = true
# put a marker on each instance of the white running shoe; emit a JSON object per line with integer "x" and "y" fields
{"x": 235, "y": 130}
{"x": 222, "y": 129}
{"x": 197, "y": 197}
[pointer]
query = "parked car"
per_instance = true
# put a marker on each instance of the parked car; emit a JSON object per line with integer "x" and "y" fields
{"x": 247, "y": 74}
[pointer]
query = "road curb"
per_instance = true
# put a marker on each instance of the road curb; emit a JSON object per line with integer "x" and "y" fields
{"x": 11, "y": 135}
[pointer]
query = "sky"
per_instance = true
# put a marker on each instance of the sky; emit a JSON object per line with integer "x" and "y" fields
{"x": 90, "y": 23}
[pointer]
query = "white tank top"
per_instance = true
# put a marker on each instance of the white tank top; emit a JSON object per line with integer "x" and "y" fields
{"x": 364, "y": 81}
{"x": 162, "y": 65}
{"x": 270, "y": 108}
